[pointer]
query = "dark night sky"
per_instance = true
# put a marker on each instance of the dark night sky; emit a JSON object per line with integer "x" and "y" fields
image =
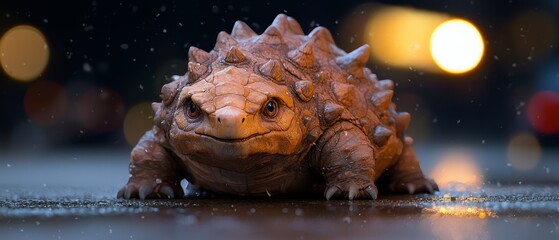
{"x": 132, "y": 47}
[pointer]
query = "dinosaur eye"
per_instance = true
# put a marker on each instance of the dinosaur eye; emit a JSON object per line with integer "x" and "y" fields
{"x": 192, "y": 110}
{"x": 270, "y": 109}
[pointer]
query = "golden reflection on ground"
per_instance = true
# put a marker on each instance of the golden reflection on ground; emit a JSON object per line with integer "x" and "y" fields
{"x": 447, "y": 226}
{"x": 462, "y": 211}
{"x": 459, "y": 216}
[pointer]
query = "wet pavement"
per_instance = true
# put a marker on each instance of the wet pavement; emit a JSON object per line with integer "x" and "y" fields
{"x": 71, "y": 195}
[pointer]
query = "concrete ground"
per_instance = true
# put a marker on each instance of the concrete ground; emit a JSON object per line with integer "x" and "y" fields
{"x": 71, "y": 195}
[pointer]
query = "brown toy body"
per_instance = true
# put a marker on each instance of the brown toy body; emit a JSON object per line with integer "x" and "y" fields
{"x": 276, "y": 114}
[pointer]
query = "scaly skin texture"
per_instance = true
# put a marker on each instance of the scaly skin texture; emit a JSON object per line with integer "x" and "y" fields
{"x": 281, "y": 113}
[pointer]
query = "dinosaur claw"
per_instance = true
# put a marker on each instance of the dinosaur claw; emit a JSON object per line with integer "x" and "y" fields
{"x": 128, "y": 192}
{"x": 436, "y": 187}
{"x": 410, "y": 187}
{"x": 167, "y": 191}
{"x": 430, "y": 188}
{"x": 373, "y": 192}
{"x": 146, "y": 190}
{"x": 353, "y": 190}
{"x": 330, "y": 192}
{"x": 120, "y": 193}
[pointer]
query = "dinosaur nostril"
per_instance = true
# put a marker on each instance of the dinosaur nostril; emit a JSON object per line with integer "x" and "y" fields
{"x": 219, "y": 120}
{"x": 242, "y": 121}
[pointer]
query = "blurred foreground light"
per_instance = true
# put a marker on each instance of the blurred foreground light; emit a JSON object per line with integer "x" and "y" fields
{"x": 523, "y": 151}
{"x": 138, "y": 120}
{"x": 457, "y": 46}
{"x": 100, "y": 110}
{"x": 400, "y": 36}
{"x": 45, "y": 102}
{"x": 543, "y": 112}
{"x": 457, "y": 167}
{"x": 24, "y": 53}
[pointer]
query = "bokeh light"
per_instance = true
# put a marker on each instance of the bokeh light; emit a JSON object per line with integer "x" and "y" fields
{"x": 523, "y": 151}
{"x": 45, "y": 102}
{"x": 100, "y": 110}
{"x": 543, "y": 112}
{"x": 24, "y": 53}
{"x": 457, "y": 167}
{"x": 138, "y": 120}
{"x": 400, "y": 36}
{"x": 533, "y": 33}
{"x": 457, "y": 46}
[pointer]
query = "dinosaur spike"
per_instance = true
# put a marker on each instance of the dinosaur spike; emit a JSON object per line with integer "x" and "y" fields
{"x": 386, "y": 84}
{"x": 272, "y": 69}
{"x": 303, "y": 55}
{"x": 294, "y": 26}
{"x": 331, "y": 112}
{"x": 304, "y": 90}
{"x": 322, "y": 34}
{"x": 198, "y": 55}
{"x": 402, "y": 121}
{"x": 155, "y": 106}
{"x": 313, "y": 135}
{"x": 195, "y": 71}
{"x": 381, "y": 135}
{"x": 168, "y": 92}
{"x": 224, "y": 40}
{"x": 344, "y": 93}
{"x": 381, "y": 99}
{"x": 234, "y": 55}
{"x": 241, "y": 31}
{"x": 271, "y": 36}
{"x": 280, "y": 22}
{"x": 354, "y": 62}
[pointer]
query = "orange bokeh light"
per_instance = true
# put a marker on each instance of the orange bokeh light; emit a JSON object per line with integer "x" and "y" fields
{"x": 457, "y": 167}
{"x": 24, "y": 53}
{"x": 524, "y": 151}
{"x": 138, "y": 120}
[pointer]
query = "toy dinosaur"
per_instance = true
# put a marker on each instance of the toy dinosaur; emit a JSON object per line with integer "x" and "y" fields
{"x": 280, "y": 113}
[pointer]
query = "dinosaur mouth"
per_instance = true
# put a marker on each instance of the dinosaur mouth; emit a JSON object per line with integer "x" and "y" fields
{"x": 231, "y": 140}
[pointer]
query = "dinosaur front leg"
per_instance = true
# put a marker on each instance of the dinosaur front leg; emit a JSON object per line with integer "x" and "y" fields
{"x": 153, "y": 171}
{"x": 346, "y": 160}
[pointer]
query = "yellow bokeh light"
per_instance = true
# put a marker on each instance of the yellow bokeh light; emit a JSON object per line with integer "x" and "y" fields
{"x": 523, "y": 151}
{"x": 457, "y": 46}
{"x": 24, "y": 53}
{"x": 457, "y": 166}
{"x": 399, "y": 36}
{"x": 138, "y": 120}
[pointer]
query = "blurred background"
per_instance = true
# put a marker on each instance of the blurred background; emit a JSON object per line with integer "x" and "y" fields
{"x": 471, "y": 73}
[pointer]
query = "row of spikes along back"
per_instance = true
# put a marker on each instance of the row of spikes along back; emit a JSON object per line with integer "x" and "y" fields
{"x": 280, "y": 31}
